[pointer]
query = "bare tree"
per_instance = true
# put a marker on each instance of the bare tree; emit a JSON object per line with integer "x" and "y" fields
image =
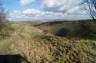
{"x": 92, "y": 8}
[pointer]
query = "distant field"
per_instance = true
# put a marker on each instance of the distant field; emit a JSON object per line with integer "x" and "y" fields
{"x": 49, "y": 42}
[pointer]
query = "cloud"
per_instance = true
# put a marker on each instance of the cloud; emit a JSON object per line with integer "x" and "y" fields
{"x": 31, "y": 14}
{"x": 60, "y": 5}
{"x": 35, "y": 14}
{"x": 79, "y": 10}
{"x": 31, "y": 11}
{"x": 52, "y": 9}
{"x": 25, "y": 2}
{"x": 56, "y": 3}
{"x": 16, "y": 15}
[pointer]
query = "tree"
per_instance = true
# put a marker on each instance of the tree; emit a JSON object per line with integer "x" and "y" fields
{"x": 92, "y": 8}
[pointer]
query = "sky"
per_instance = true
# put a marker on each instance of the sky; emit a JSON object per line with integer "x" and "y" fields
{"x": 27, "y": 10}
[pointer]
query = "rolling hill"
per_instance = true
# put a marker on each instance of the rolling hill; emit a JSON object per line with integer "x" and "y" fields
{"x": 38, "y": 43}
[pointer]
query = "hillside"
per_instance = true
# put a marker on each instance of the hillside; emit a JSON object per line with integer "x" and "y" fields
{"x": 37, "y": 45}
{"x": 70, "y": 28}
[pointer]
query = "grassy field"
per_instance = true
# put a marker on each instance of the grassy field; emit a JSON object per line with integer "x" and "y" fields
{"x": 38, "y": 43}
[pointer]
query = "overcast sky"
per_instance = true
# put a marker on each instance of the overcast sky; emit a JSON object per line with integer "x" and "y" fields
{"x": 20, "y": 10}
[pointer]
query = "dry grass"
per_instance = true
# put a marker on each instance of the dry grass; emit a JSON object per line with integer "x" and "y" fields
{"x": 52, "y": 49}
{"x": 41, "y": 47}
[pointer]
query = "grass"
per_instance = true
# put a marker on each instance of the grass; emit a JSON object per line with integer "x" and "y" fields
{"x": 38, "y": 46}
{"x": 53, "y": 49}
{"x": 74, "y": 29}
